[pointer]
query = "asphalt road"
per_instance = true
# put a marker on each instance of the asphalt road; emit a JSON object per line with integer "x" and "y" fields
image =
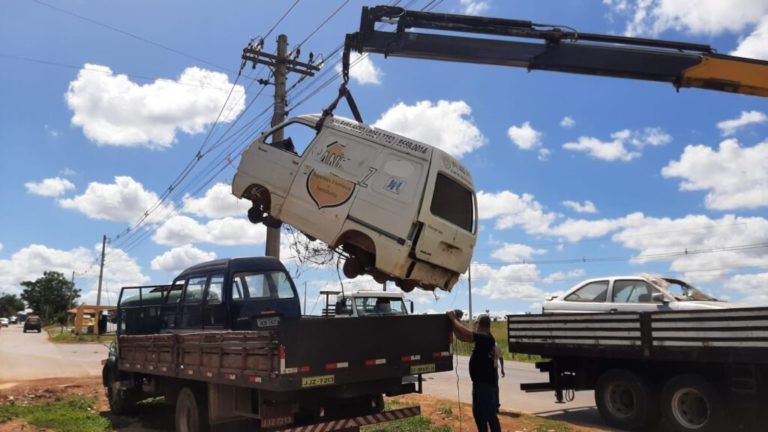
{"x": 27, "y": 356}
{"x": 580, "y": 411}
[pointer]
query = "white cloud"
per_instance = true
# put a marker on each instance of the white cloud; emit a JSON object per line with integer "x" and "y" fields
{"x": 1, "y": 247}
{"x": 567, "y": 122}
{"x": 578, "y": 229}
{"x": 182, "y": 230}
{"x": 30, "y": 262}
{"x": 67, "y": 172}
{"x": 730, "y": 127}
{"x": 50, "y": 187}
{"x": 756, "y": 44}
{"x": 586, "y": 207}
{"x": 711, "y": 17}
{"x": 513, "y": 210}
{"x": 218, "y": 202}
{"x": 514, "y": 252}
{"x": 749, "y": 283}
{"x": 125, "y": 200}
{"x": 734, "y": 176}
{"x": 525, "y": 137}
{"x": 180, "y": 258}
{"x": 362, "y": 69}
{"x": 474, "y": 7}
{"x": 113, "y": 110}
{"x": 617, "y": 149}
{"x": 446, "y": 125}
{"x": 564, "y": 276}
{"x": 507, "y": 282}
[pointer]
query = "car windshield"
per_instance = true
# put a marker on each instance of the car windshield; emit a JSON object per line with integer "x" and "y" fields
{"x": 379, "y": 306}
{"x": 680, "y": 290}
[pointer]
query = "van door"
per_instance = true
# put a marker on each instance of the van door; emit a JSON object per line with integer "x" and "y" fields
{"x": 447, "y": 234}
{"x": 273, "y": 160}
{"x": 334, "y": 169}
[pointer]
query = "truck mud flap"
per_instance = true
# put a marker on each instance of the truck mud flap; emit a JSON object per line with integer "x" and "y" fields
{"x": 354, "y": 423}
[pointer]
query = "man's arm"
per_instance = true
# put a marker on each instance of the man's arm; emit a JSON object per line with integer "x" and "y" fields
{"x": 460, "y": 330}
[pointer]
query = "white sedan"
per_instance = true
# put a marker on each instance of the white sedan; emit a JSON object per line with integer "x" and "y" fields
{"x": 643, "y": 293}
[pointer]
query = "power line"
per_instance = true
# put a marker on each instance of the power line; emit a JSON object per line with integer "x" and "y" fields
{"x": 132, "y": 35}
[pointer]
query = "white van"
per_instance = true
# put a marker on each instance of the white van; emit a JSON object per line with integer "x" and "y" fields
{"x": 400, "y": 209}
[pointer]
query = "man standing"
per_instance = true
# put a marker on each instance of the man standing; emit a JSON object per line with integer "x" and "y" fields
{"x": 481, "y": 371}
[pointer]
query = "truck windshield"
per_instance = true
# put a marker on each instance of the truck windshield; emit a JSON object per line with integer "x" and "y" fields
{"x": 380, "y": 306}
{"x": 453, "y": 202}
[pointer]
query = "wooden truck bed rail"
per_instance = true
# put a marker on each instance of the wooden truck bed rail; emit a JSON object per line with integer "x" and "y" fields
{"x": 738, "y": 335}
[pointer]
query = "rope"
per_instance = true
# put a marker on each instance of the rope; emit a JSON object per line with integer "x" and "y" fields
{"x": 458, "y": 385}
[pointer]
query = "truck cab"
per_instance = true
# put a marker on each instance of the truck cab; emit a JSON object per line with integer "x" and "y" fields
{"x": 367, "y": 303}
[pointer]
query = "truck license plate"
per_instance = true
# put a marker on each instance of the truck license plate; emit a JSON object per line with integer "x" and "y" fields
{"x": 318, "y": 380}
{"x": 425, "y": 368}
{"x": 268, "y": 322}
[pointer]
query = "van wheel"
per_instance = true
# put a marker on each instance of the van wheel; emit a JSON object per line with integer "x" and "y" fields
{"x": 255, "y": 215}
{"x": 352, "y": 268}
{"x": 271, "y": 222}
{"x": 191, "y": 411}
{"x": 625, "y": 401}
{"x": 691, "y": 403}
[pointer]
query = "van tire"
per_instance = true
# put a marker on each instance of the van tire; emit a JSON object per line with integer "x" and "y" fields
{"x": 255, "y": 215}
{"x": 352, "y": 268}
{"x": 191, "y": 414}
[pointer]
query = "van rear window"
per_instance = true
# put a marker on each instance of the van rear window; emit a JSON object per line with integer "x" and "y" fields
{"x": 452, "y": 202}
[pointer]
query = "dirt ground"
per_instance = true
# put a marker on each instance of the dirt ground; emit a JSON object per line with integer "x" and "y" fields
{"x": 158, "y": 417}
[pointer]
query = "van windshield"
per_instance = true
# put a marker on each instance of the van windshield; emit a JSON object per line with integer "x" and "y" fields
{"x": 453, "y": 202}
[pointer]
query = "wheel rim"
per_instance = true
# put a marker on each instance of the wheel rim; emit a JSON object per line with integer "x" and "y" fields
{"x": 620, "y": 400}
{"x": 690, "y": 408}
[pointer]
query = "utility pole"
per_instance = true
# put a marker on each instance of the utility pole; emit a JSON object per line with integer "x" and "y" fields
{"x": 281, "y": 64}
{"x": 69, "y": 297}
{"x": 469, "y": 285}
{"x": 101, "y": 270}
{"x": 305, "y": 297}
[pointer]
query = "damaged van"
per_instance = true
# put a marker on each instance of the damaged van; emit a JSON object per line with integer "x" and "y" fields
{"x": 399, "y": 209}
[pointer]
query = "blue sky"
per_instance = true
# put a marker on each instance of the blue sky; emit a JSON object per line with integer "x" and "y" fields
{"x": 104, "y": 104}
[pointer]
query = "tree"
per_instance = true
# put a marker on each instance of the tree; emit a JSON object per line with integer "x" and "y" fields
{"x": 50, "y": 296}
{"x": 10, "y": 304}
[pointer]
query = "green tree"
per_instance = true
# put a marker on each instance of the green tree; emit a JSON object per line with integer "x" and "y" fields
{"x": 10, "y": 304}
{"x": 50, "y": 296}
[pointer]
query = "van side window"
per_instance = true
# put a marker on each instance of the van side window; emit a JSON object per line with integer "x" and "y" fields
{"x": 214, "y": 295}
{"x": 452, "y": 202}
{"x": 296, "y": 138}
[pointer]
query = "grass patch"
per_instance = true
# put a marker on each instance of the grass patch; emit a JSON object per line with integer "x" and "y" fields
{"x": 499, "y": 332}
{"x": 71, "y": 415}
{"x": 55, "y": 335}
{"x": 411, "y": 424}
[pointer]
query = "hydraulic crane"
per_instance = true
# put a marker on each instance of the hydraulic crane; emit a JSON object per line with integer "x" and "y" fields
{"x": 563, "y": 50}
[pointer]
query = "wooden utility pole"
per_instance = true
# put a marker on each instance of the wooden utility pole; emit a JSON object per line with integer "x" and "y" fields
{"x": 281, "y": 64}
{"x": 101, "y": 269}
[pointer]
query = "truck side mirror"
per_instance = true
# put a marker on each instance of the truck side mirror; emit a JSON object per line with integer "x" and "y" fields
{"x": 659, "y": 298}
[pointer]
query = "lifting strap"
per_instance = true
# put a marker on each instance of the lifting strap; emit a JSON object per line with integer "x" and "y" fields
{"x": 344, "y": 92}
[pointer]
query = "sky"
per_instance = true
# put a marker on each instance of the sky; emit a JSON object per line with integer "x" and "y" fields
{"x": 126, "y": 120}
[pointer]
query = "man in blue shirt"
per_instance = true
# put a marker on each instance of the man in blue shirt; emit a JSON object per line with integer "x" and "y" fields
{"x": 481, "y": 371}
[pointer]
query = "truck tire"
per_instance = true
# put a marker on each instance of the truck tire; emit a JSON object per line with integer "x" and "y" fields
{"x": 121, "y": 401}
{"x": 625, "y": 401}
{"x": 192, "y": 410}
{"x": 691, "y": 403}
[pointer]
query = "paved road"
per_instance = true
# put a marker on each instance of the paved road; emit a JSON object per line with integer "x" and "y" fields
{"x": 581, "y": 410}
{"x": 25, "y": 356}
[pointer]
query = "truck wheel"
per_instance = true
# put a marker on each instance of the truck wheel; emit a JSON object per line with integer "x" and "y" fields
{"x": 121, "y": 401}
{"x": 625, "y": 401}
{"x": 191, "y": 411}
{"x": 691, "y": 403}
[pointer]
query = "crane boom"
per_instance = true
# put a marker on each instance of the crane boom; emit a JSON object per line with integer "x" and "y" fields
{"x": 563, "y": 50}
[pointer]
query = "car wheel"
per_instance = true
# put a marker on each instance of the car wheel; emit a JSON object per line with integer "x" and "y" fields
{"x": 191, "y": 411}
{"x": 625, "y": 401}
{"x": 691, "y": 403}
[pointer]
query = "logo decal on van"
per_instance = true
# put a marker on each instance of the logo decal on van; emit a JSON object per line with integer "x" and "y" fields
{"x": 328, "y": 190}
{"x": 394, "y": 185}
{"x": 333, "y": 155}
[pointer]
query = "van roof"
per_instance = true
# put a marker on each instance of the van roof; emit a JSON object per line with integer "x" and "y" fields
{"x": 235, "y": 264}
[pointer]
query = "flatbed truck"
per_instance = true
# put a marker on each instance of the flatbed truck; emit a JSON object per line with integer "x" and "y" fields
{"x": 226, "y": 344}
{"x": 702, "y": 371}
